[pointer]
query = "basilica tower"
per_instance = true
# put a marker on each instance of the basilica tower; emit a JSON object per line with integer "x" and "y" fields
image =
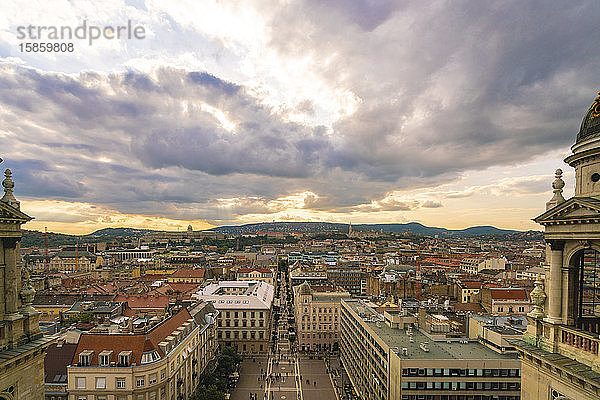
{"x": 560, "y": 351}
{"x": 22, "y": 345}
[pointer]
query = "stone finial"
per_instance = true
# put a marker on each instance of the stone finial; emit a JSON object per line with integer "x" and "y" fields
{"x": 538, "y": 297}
{"x": 27, "y": 295}
{"x": 9, "y": 185}
{"x": 557, "y": 187}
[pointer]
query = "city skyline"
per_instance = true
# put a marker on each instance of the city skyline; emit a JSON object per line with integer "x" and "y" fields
{"x": 225, "y": 113}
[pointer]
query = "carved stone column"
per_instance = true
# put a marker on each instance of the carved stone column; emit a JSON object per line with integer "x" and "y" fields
{"x": 555, "y": 282}
{"x": 10, "y": 278}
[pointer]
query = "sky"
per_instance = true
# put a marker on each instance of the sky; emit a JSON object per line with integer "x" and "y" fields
{"x": 447, "y": 113}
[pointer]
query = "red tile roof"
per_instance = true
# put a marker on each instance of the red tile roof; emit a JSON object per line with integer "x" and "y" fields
{"x": 145, "y": 301}
{"x": 471, "y": 285}
{"x": 509, "y": 294}
{"x": 188, "y": 273}
{"x": 136, "y": 343}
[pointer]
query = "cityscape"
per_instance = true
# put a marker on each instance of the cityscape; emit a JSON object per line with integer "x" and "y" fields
{"x": 299, "y": 200}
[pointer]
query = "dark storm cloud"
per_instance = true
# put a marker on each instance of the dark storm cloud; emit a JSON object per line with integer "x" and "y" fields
{"x": 449, "y": 86}
{"x": 444, "y": 87}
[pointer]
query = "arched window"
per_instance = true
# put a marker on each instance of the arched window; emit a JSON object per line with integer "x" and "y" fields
{"x": 588, "y": 290}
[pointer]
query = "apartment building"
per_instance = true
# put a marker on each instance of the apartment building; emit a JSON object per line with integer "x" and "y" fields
{"x": 187, "y": 276}
{"x": 386, "y": 359}
{"x": 256, "y": 274}
{"x": 317, "y": 312}
{"x": 75, "y": 261}
{"x": 244, "y": 307}
{"x": 348, "y": 276}
{"x": 506, "y": 301}
{"x": 467, "y": 290}
{"x": 474, "y": 265}
{"x": 163, "y": 363}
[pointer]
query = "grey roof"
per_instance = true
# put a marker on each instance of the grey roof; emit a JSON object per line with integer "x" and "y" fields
{"x": 437, "y": 349}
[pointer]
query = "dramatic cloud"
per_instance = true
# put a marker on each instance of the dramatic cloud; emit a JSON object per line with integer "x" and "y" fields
{"x": 309, "y": 109}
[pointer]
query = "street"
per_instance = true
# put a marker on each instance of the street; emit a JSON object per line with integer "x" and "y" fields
{"x": 283, "y": 374}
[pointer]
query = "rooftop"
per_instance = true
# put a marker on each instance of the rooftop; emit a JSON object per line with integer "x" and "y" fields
{"x": 437, "y": 349}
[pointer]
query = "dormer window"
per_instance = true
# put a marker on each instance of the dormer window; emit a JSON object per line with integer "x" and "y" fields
{"x": 85, "y": 357}
{"x": 104, "y": 358}
{"x": 125, "y": 358}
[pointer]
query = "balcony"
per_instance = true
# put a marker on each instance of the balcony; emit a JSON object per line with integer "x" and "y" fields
{"x": 582, "y": 340}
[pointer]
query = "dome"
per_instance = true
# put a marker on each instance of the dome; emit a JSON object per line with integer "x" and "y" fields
{"x": 590, "y": 126}
{"x": 305, "y": 288}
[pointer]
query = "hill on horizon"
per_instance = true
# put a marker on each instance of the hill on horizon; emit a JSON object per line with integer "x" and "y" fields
{"x": 56, "y": 239}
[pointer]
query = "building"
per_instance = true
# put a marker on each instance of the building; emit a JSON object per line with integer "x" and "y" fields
{"x": 299, "y": 273}
{"x": 22, "y": 344}
{"x": 559, "y": 351}
{"x": 531, "y": 274}
{"x": 348, "y": 276}
{"x": 476, "y": 265}
{"x": 58, "y": 356}
{"x": 506, "y": 301}
{"x": 187, "y": 276}
{"x": 467, "y": 290}
{"x": 245, "y": 307}
{"x": 102, "y": 311}
{"x": 75, "y": 261}
{"x": 256, "y": 274}
{"x": 163, "y": 363}
{"x": 496, "y": 337}
{"x": 317, "y": 312}
{"x": 121, "y": 272}
{"x": 388, "y": 360}
{"x": 144, "y": 252}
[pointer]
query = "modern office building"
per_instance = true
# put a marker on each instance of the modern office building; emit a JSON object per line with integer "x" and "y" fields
{"x": 386, "y": 358}
{"x": 560, "y": 349}
{"x": 163, "y": 363}
{"x": 317, "y": 312}
{"x": 244, "y": 313}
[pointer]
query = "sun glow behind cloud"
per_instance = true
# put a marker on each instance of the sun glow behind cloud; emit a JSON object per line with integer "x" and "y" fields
{"x": 235, "y": 112}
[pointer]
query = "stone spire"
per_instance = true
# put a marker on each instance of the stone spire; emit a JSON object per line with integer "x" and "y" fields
{"x": 9, "y": 185}
{"x": 557, "y": 187}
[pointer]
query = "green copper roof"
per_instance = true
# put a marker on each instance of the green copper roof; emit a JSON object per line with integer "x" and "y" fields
{"x": 590, "y": 126}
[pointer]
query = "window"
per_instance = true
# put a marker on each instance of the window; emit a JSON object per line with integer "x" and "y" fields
{"x": 100, "y": 383}
{"x": 104, "y": 358}
{"x": 120, "y": 383}
{"x": 85, "y": 357}
{"x": 140, "y": 381}
{"x": 162, "y": 374}
{"x": 124, "y": 358}
{"x": 80, "y": 383}
{"x": 151, "y": 379}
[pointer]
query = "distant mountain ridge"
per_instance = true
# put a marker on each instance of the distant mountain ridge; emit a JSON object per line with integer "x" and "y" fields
{"x": 315, "y": 227}
{"x": 33, "y": 238}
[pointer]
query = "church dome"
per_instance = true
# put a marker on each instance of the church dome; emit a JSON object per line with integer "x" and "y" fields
{"x": 305, "y": 288}
{"x": 590, "y": 126}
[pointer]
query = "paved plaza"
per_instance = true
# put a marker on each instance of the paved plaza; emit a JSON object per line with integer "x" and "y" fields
{"x": 283, "y": 374}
